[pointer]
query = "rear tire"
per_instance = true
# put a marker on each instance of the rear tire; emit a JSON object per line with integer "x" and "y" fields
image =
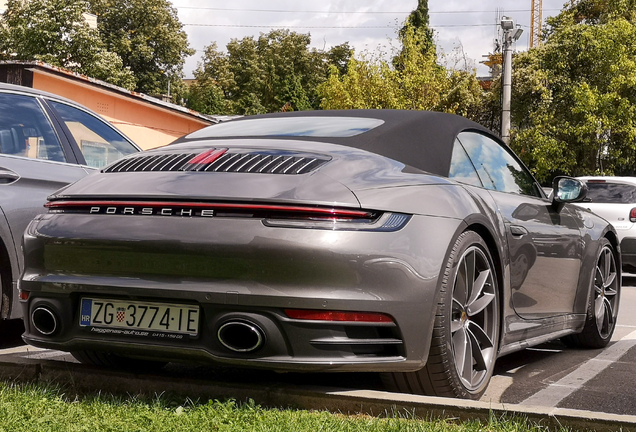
{"x": 602, "y": 309}
{"x": 115, "y": 361}
{"x": 466, "y": 330}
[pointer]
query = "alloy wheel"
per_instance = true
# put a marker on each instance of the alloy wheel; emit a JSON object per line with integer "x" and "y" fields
{"x": 605, "y": 292}
{"x": 474, "y": 318}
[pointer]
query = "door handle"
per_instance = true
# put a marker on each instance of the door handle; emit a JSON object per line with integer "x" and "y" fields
{"x": 7, "y": 176}
{"x": 518, "y": 231}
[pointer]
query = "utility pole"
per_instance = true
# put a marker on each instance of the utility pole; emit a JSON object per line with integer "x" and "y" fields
{"x": 510, "y": 36}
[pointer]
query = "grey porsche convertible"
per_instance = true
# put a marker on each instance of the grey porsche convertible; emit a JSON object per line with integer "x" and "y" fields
{"x": 415, "y": 244}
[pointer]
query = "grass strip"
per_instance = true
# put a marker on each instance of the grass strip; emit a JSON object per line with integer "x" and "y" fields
{"x": 41, "y": 407}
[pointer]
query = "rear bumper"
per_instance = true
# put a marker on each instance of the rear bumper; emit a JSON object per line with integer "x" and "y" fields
{"x": 241, "y": 270}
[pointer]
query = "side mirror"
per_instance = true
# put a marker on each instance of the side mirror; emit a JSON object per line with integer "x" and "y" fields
{"x": 567, "y": 190}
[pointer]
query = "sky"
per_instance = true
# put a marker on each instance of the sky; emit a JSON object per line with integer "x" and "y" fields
{"x": 365, "y": 24}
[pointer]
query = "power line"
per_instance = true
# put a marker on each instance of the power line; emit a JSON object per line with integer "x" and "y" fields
{"x": 346, "y": 12}
{"x": 327, "y": 27}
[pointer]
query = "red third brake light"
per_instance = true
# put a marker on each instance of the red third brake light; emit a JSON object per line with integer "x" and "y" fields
{"x": 632, "y": 215}
{"x": 207, "y": 157}
{"x": 319, "y": 315}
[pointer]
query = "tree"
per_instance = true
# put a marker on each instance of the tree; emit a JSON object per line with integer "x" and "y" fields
{"x": 339, "y": 57}
{"x": 574, "y": 97}
{"x": 277, "y": 71}
{"x": 207, "y": 94}
{"x": 413, "y": 80}
{"x": 418, "y": 21}
{"x": 148, "y": 36}
{"x": 56, "y": 32}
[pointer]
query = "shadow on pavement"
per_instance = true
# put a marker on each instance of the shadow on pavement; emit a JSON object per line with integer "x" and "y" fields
{"x": 11, "y": 332}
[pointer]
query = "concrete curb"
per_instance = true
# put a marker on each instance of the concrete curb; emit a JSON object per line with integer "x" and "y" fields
{"x": 84, "y": 379}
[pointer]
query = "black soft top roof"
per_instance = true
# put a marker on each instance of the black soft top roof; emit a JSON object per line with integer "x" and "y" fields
{"x": 421, "y": 139}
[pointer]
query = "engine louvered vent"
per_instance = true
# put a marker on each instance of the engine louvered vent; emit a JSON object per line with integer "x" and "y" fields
{"x": 222, "y": 161}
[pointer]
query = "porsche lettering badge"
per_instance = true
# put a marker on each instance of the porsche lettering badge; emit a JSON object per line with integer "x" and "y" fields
{"x": 150, "y": 211}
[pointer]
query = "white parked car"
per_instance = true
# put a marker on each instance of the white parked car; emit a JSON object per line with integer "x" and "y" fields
{"x": 614, "y": 199}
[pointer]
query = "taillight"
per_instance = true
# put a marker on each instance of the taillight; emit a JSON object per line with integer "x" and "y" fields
{"x": 385, "y": 222}
{"x": 632, "y": 215}
{"x": 320, "y": 315}
{"x": 272, "y": 215}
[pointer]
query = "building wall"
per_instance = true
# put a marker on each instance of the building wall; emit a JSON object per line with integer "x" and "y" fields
{"x": 147, "y": 125}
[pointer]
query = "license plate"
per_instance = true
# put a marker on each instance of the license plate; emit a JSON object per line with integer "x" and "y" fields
{"x": 168, "y": 318}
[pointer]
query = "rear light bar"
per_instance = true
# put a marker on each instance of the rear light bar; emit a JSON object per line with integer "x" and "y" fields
{"x": 131, "y": 207}
{"x": 632, "y": 215}
{"x": 320, "y": 315}
{"x": 272, "y": 215}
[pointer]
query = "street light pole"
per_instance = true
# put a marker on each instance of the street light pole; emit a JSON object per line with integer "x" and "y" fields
{"x": 510, "y": 36}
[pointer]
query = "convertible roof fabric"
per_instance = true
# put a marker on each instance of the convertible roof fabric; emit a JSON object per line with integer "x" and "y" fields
{"x": 420, "y": 139}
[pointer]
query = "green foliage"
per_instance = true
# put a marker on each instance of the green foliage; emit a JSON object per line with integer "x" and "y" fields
{"x": 206, "y": 98}
{"x": 418, "y": 20}
{"x": 339, "y": 56}
{"x": 277, "y": 71}
{"x": 55, "y": 31}
{"x": 148, "y": 36}
{"x": 574, "y": 97}
{"x": 413, "y": 80}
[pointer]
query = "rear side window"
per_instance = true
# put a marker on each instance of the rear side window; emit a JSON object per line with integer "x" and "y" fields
{"x": 100, "y": 144}
{"x": 25, "y": 130}
{"x": 462, "y": 169}
{"x": 611, "y": 193}
{"x": 496, "y": 167}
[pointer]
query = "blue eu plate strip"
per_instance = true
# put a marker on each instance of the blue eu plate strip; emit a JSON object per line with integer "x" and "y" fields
{"x": 85, "y": 318}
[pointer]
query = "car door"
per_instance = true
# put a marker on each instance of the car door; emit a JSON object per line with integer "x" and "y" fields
{"x": 544, "y": 244}
{"x": 45, "y": 144}
{"x": 34, "y": 162}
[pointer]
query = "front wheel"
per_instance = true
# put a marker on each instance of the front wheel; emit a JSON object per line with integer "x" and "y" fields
{"x": 602, "y": 308}
{"x": 466, "y": 331}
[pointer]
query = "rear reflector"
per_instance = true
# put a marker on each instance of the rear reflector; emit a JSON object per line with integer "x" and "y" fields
{"x": 632, "y": 215}
{"x": 319, "y": 315}
{"x": 24, "y": 295}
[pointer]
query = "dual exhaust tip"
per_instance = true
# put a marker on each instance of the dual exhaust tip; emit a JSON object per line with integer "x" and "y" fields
{"x": 241, "y": 336}
{"x": 44, "y": 320}
{"x": 238, "y": 336}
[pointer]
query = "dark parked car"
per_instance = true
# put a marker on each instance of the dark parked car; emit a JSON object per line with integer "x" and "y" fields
{"x": 410, "y": 243}
{"x": 46, "y": 142}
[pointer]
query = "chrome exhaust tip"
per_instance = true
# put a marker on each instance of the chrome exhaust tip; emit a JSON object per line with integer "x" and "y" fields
{"x": 241, "y": 336}
{"x": 44, "y": 320}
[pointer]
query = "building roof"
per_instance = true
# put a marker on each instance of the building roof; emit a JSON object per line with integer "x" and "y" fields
{"x": 45, "y": 67}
